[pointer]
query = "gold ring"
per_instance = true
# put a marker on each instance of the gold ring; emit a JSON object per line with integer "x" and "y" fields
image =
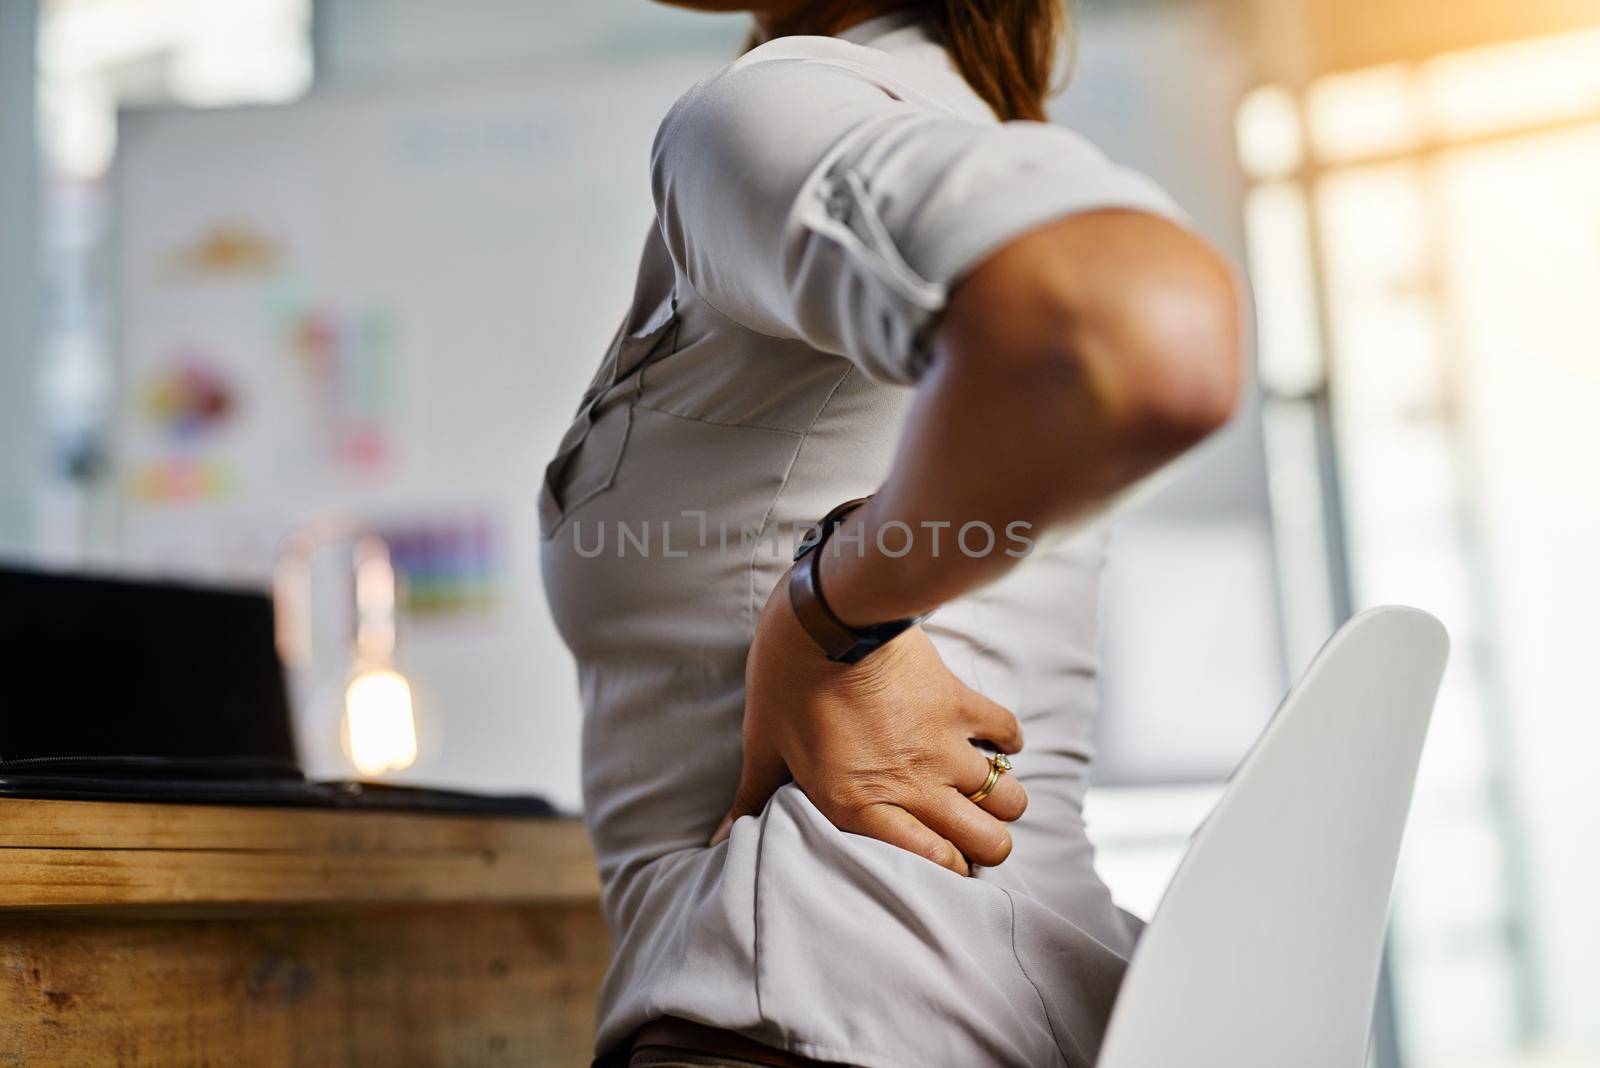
{"x": 999, "y": 764}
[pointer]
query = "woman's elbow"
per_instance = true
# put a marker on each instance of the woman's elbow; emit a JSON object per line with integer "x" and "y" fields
{"x": 1130, "y": 319}
{"x": 1167, "y": 357}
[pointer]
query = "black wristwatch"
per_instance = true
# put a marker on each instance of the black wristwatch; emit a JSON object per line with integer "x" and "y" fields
{"x": 840, "y": 641}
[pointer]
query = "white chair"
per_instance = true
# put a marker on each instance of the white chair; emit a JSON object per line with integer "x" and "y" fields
{"x": 1265, "y": 950}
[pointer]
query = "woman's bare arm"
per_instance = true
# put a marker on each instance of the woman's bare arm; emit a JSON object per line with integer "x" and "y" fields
{"x": 1069, "y": 365}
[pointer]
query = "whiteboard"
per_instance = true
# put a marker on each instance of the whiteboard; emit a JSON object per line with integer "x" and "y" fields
{"x": 385, "y": 303}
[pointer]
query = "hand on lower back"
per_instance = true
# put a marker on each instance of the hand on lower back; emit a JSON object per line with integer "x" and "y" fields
{"x": 883, "y": 748}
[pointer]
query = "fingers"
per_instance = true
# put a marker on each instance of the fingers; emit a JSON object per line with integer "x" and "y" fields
{"x": 991, "y": 722}
{"x": 896, "y": 826}
{"x": 981, "y": 838}
{"x": 1008, "y": 800}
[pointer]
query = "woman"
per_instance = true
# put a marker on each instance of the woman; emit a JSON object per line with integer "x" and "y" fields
{"x": 870, "y": 276}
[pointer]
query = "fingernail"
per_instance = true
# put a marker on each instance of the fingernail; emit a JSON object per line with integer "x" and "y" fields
{"x": 723, "y": 831}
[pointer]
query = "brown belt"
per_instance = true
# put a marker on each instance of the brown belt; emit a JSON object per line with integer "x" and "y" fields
{"x": 671, "y": 1034}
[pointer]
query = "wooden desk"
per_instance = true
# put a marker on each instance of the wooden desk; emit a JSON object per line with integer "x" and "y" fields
{"x": 176, "y": 935}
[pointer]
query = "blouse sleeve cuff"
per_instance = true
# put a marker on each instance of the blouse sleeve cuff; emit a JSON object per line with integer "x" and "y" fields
{"x": 998, "y": 216}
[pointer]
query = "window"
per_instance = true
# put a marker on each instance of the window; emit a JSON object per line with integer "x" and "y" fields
{"x": 1425, "y": 245}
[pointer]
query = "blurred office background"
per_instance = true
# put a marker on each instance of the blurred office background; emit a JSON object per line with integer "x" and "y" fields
{"x": 279, "y": 274}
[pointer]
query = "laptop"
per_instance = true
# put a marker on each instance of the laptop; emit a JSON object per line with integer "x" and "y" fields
{"x": 126, "y": 689}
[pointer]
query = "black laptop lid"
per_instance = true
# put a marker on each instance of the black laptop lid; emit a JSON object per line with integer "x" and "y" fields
{"x": 112, "y": 673}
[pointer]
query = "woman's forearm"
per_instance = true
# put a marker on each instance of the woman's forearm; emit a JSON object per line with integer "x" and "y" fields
{"x": 1067, "y": 367}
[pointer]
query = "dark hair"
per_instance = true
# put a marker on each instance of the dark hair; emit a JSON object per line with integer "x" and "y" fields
{"x": 1005, "y": 49}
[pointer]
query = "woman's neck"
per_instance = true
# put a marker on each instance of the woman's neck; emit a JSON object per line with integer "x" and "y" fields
{"x": 824, "y": 19}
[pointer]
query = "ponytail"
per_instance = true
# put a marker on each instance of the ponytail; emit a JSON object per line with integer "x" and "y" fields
{"x": 1005, "y": 49}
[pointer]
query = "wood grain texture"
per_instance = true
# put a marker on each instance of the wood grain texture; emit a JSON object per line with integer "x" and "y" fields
{"x": 189, "y": 935}
{"x": 77, "y": 853}
{"x": 381, "y": 986}
{"x": 125, "y": 825}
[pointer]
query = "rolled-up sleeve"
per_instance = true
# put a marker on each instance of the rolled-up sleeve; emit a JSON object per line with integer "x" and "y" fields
{"x": 802, "y": 197}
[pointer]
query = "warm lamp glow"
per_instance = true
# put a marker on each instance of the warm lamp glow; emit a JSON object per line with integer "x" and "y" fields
{"x": 380, "y": 730}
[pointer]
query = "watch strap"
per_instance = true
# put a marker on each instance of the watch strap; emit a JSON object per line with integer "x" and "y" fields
{"x": 838, "y": 640}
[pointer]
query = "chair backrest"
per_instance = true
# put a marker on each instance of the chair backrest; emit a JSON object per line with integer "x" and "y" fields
{"x": 1265, "y": 950}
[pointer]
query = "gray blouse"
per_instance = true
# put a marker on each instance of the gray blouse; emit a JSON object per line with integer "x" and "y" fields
{"x": 815, "y": 199}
